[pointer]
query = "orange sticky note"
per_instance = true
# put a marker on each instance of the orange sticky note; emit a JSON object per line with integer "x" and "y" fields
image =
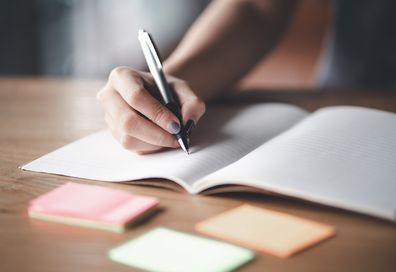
{"x": 272, "y": 232}
{"x": 91, "y": 206}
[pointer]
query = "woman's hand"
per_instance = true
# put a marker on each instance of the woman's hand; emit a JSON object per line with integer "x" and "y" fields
{"x": 137, "y": 120}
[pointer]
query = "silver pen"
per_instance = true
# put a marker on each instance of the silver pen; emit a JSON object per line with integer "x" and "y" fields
{"x": 155, "y": 66}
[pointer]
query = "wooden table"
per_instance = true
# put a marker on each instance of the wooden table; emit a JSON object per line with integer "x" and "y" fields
{"x": 39, "y": 115}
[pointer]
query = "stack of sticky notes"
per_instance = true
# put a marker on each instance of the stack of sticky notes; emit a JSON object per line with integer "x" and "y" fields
{"x": 91, "y": 206}
{"x": 267, "y": 231}
{"x": 163, "y": 249}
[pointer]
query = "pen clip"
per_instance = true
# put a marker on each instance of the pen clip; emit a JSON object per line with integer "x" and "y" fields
{"x": 149, "y": 47}
{"x": 154, "y": 65}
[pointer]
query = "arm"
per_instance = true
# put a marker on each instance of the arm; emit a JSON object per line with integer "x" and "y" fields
{"x": 224, "y": 43}
{"x": 227, "y": 40}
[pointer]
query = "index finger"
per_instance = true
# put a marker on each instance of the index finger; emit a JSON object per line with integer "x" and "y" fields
{"x": 130, "y": 85}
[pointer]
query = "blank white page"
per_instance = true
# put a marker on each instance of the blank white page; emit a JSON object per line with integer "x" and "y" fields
{"x": 339, "y": 156}
{"x": 224, "y": 135}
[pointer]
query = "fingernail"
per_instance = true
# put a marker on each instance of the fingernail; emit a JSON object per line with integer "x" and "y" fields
{"x": 190, "y": 125}
{"x": 173, "y": 127}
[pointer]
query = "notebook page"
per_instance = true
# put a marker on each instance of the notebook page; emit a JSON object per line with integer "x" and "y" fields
{"x": 339, "y": 156}
{"x": 225, "y": 134}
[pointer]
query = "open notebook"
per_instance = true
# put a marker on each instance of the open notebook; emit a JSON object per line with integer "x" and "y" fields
{"x": 340, "y": 156}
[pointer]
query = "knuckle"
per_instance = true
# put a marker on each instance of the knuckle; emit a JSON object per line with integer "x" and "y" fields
{"x": 119, "y": 71}
{"x": 126, "y": 141}
{"x": 136, "y": 96}
{"x": 123, "y": 72}
{"x": 103, "y": 94}
{"x": 128, "y": 122}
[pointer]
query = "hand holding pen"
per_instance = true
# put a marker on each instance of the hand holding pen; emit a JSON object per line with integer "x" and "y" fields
{"x": 138, "y": 120}
{"x": 155, "y": 66}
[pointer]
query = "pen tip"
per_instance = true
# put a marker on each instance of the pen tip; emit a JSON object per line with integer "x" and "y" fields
{"x": 184, "y": 146}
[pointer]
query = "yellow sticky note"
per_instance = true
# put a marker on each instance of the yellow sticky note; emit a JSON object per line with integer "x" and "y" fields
{"x": 267, "y": 231}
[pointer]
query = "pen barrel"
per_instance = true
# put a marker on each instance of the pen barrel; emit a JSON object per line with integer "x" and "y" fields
{"x": 164, "y": 89}
{"x": 181, "y": 136}
{"x": 174, "y": 108}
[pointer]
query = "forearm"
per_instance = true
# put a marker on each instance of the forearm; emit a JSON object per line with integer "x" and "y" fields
{"x": 229, "y": 38}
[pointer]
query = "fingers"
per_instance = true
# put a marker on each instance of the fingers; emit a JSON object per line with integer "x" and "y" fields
{"x": 129, "y": 84}
{"x": 192, "y": 106}
{"x": 125, "y": 123}
{"x": 129, "y": 142}
{"x": 138, "y": 120}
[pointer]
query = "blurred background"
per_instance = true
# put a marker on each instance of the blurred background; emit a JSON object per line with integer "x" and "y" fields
{"x": 87, "y": 38}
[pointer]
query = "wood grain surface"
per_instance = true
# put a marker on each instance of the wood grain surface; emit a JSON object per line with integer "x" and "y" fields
{"x": 38, "y": 115}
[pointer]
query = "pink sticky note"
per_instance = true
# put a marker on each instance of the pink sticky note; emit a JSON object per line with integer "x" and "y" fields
{"x": 91, "y": 206}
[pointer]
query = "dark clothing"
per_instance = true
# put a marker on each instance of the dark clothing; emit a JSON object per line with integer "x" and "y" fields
{"x": 361, "y": 49}
{"x": 34, "y": 36}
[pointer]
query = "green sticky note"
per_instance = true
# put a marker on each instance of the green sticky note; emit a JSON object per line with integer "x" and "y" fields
{"x": 163, "y": 249}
